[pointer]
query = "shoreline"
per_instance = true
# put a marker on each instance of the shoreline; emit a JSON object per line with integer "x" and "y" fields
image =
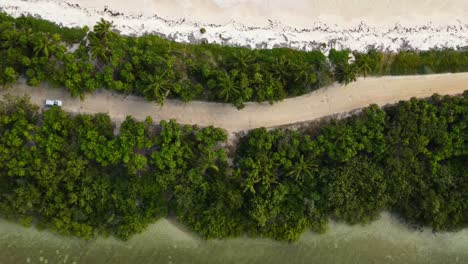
{"x": 415, "y": 33}
{"x": 386, "y": 240}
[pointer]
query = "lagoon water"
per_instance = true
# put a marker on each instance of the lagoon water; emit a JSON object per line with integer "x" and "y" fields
{"x": 383, "y": 241}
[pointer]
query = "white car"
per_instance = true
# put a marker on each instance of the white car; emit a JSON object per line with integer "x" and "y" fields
{"x": 50, "y": 102}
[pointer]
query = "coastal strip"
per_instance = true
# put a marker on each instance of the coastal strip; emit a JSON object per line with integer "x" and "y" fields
{"x": 315, "y": 32}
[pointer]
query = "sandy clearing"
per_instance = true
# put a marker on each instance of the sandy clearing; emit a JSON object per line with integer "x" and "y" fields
{"x": 324, "y": 102}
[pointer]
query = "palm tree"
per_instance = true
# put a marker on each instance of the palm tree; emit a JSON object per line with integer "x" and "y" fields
{"x": 99, "y": 40}
{"x": 42, "y": 44}
{"x": 10, "y": 39}
{"x": 279, "y": 68}
{"x": 249, "y": 183}
{"x": 303, "y": 167}
{"x": 242, "y": 60}
{"x": 98, "y": 49}
{"x": 363, "y": 63}
{"x": 9, "y": 77}
{"x": 103, "y": 30}
{"x": 157, "y": 87}
{"x": 346, "y": 73}
{"x": 259, "y": 172}
{"x": 208, "y": 161}
{"x": 46, "y": 45}
{"x": 303, "y": 73}
{"x": 228, "y": 89}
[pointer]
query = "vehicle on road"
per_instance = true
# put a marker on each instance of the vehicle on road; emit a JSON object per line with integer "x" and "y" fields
{"x": 55, "y": 102}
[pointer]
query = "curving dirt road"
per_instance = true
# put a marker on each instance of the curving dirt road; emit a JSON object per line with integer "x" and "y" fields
{"x": 326, "y": 101}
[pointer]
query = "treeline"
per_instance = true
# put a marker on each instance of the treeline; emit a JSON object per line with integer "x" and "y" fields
{"x": 83, "y": 61}
{"x": 412, "y": 62}
{"x": 72, "y": 174}
{"x": 80, "y": 175}
{"x": 151, "y": 66}
{"x": 410, "y": 159}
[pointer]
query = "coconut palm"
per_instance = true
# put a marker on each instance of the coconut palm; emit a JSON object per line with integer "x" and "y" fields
{"x": 9, "y": 77}
{"x": 242, "y": 60}
{"x": 227, "y": 87}
{"x": 98, "y": 49}
{"x": 363, "y": 63}
{"x": 346, "y": 73}
{"x": 10, "y": 39}
{"x": 260, "y": 172}
{"x": 47, "y": 45}
{"x": 41, "y": 45}
{"x": 279, "y": 68}
{"x": 208, "y": 161}
{"x": 104, "y": 30}
{"x": 157, "y": 87}
{"x": 303, "y": 167}
{"x": 99, "y": 40}
{"x": 303, "y": 73}
{"x": 13, "y": 36}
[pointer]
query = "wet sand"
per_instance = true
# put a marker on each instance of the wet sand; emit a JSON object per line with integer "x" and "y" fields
{"x": 384, "y": 241}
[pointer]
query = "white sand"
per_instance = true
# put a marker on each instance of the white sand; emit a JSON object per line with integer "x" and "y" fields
{"x": 324, "y": 102}
{"x": 302, "y": 24}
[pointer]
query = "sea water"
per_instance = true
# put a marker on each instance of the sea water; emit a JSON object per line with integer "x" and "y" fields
{"x": 384, "y": 241}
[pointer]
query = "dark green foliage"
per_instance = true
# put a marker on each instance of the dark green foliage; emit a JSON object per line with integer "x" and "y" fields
{"x": 356, "y": 191}
{"x": 279, "y": 179}
{"x": 345, "y": 71}
{"x": 412, "y": 62}
{"x": 427, "y": 160}
{"x": 72, "y": 174}
{"x": 156, "y": 68}
{"x": 151, "y": 66}
{"x": 8, "y": 76}
{"x": 410, "y": 159}
{"x": 69, "y": 35}
{"x": 339, "y": 57}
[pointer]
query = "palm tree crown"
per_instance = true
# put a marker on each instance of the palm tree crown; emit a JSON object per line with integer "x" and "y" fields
{"x": 104, "y": 30}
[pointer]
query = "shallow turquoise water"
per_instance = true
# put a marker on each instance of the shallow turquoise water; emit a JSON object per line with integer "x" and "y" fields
{"x": 384, "y": 241}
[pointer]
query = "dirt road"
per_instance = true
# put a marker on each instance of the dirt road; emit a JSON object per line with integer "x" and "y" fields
{"x": 326, "y": 101}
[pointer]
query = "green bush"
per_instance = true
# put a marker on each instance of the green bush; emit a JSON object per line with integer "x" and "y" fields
{"x": 69, "y": 35}
{"x": 157, "y": 68}
{"x": 73, "y": 175}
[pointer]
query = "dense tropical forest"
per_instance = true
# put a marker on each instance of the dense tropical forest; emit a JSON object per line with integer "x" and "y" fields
{"x": 81, "y": 175}
{"x": 83, "y": 60}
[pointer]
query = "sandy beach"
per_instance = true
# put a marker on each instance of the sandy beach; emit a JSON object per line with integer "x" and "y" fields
{"x": 300, "y": 24}
{"x": 323, "y": 102}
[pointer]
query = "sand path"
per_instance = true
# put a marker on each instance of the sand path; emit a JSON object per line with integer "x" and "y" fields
{"x": 326, "y": 101}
